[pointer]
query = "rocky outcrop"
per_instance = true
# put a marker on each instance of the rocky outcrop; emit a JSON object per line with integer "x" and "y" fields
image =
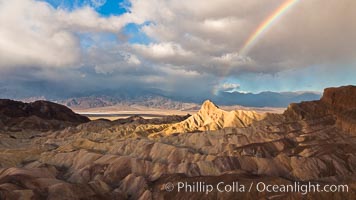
{"x": 43, "y": 109}
{"x": 210, "y": 117}
{"x": 39, "y": 115}
{"x": 140, "y": 120}
{"x": 341, "y": 98}
{"x": 338, "y": 103}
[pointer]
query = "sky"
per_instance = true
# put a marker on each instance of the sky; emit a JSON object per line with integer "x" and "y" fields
{"x": 180, "y": 48}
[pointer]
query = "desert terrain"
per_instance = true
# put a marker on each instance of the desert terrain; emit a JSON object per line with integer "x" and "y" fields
{"x": 120, "y": 112}
{"x": 47, "y": 151}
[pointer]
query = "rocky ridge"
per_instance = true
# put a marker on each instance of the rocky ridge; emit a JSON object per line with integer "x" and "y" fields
{"x": 28, "y": 119}
{"x": 210, "y": 117}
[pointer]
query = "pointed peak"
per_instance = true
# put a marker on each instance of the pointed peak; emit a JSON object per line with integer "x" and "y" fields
{"x": 209, "y": 105}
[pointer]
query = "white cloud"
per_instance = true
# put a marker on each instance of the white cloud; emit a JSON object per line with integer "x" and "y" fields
{"x": 133, "y": 60}
{"x": 225, "y": 87}
{"x": 221, "y": 24}
{"x": 110, "y": 61}
{"x": 88, "y": 20}
{"x": 199, "y": 35}
{"x": 162, "y": 51}
{"x": 32, "y": 33}
{"x": 229, "y": 86}
{"x": 233, "y": 59}
{"x": 98, "y": 3}
{"x": 29, "y": 38}
{"x": 311, "y": 32}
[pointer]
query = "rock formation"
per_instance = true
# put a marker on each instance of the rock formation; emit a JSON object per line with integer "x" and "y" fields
{"x": 210, "y": 117}
{"x": 43, "y": 109}
{"x": 27, "y": 120}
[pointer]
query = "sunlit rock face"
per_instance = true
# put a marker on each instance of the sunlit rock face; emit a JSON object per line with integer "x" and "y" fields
{"x": 210, "y": 117}
{"x": 340, "y": 103}
{"x": 134, "y": 158}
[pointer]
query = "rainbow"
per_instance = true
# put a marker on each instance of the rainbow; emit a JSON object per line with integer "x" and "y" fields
{"x": 266, "y": 24}
{"x": 262, "y": 28}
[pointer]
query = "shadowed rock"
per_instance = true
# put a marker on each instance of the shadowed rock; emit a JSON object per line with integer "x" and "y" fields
{"x": 40, "y": 115}
{"x": 43, "y": 109}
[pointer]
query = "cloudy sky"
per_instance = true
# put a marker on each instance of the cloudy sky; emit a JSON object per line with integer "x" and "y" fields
{"x": 182, "y": 48}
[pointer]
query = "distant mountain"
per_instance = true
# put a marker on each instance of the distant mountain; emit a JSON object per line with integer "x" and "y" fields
{"x": 150, "y": 101}
{"x": 158, "y": 99}
{"x": 264, "y": 99}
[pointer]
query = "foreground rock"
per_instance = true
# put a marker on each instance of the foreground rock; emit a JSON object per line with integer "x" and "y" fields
{"x": 311, "y": 141}
{"x": 17, "y": 116}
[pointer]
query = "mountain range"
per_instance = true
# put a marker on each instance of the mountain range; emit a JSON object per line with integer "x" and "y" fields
{"x": 158, "y": 99}
{"x": 263, "y": 99}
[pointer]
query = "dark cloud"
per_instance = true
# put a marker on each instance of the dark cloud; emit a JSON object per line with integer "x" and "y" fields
{"x": 194, "y": 47}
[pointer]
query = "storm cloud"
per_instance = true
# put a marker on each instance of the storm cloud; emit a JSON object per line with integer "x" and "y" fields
{"x": 192, "y": 48}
